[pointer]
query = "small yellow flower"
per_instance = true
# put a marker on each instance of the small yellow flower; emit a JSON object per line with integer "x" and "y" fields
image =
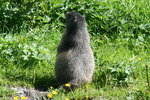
{"x": 139, "y": 58}
{"x": 16, "y": 98}
{"x": 51, "y": 87}
{"x": 24, "y": 98}
{"x": 50, "y": 95}
{"x": 68, "y": 85}
{"x": 87, "y": 97}
{"x": 67, "y": 99}
{"x": 54, "y": 92}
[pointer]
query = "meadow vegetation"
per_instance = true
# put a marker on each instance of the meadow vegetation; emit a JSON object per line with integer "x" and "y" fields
{"x": 30, "y": 31}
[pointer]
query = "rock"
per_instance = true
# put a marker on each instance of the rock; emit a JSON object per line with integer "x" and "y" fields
{"x": 30, "y": 93}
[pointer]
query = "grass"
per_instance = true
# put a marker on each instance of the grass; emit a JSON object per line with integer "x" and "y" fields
{"x": 119, "y": 69}
{"x": 119, "y": 38}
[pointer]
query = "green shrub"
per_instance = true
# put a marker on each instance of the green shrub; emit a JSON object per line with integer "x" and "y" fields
{"x": 112, "y": 17}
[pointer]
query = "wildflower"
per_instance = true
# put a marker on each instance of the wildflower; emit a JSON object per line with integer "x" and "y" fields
{"x": 50, "y": 95}
{"x": 51, "y": 87}
{"x": 54, "y": 92}
{"x": 139, "y": 58}
{"x": 67, "y": 99}
{"x": 16, "y": 98}
{"x": 24, "y": 98}
{"x": 68, "y": 85}
{"x": 87, "y": 97}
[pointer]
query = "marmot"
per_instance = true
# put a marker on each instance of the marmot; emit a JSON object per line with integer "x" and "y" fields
{"x": 75, "y": 61}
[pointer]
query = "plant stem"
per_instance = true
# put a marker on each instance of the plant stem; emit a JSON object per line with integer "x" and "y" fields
{"x": 147, "y": 76}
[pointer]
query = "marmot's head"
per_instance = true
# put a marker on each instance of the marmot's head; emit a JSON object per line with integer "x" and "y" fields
{"x": 74, "y": 20}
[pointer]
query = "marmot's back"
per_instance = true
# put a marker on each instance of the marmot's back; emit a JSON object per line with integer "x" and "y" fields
{"x": 75, "y": 60}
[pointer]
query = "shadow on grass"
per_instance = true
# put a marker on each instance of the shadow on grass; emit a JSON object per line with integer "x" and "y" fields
{"x": 41, "y": 81}
{"x": 44, "y": 83}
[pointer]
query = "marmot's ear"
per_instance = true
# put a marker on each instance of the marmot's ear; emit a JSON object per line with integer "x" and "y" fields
{"x": 83, "y": 17}
{"x": 75, "y": 18}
